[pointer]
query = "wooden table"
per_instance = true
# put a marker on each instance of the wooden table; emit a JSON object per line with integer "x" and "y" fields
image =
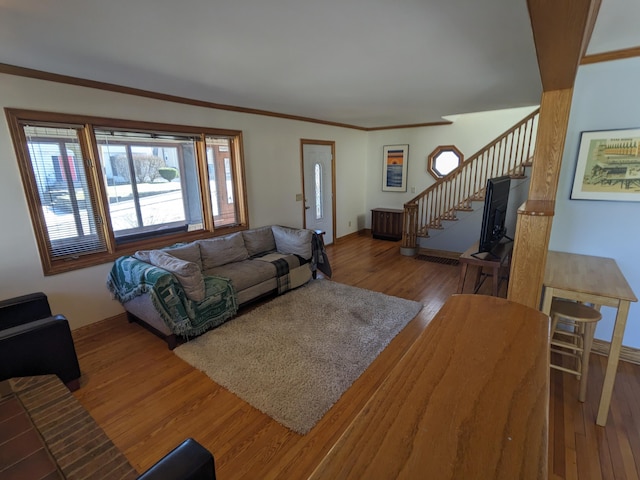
{"x": 468, "y": 400}
{"x": 493, "y": 261}
{"x": 596, "y": 280}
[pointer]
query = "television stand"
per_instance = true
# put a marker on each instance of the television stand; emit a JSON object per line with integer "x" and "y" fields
{"x": 484, "y": 256}
{"x": 494, "y": 261}
{"x": 491, "y": 253}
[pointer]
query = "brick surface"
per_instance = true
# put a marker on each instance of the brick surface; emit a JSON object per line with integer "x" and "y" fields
{"x": 81, "y": 449}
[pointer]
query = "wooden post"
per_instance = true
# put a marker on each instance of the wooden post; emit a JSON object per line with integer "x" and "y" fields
{"x": 561, "y": 31}
{"x": 409, "y": 233}
{"x": 535, "y": 216}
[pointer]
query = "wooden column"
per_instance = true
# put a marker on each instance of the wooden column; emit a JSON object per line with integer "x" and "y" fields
{"x": 530, "y": 249}
{"x": 561, "y": 32}
{"x": 535, "y": 216}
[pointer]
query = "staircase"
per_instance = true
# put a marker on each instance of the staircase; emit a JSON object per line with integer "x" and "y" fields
{"x": 508, "y": 154}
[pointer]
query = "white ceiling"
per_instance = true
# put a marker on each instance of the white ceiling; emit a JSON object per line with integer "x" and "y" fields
{"x": 360, "y": 62}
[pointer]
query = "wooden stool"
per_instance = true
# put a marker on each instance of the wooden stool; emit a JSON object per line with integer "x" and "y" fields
{"x": 575, "y": 339}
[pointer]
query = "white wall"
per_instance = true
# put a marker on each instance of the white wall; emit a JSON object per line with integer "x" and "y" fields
{"x": 605, "y": 97}
{"x": 273, "y": 171}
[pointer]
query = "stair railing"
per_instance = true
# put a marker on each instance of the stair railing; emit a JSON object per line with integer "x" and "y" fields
{"x": 508, "y": 154}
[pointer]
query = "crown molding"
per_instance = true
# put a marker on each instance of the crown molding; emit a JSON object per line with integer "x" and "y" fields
{"x": 111, "y": 87}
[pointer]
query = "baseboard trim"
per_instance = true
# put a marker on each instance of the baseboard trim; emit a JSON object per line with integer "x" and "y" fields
{"x": 84, "y": 329}
{"x": 357, "y": 233}
{"x": 628, "y": 354}
{"x": 439, "y": 253}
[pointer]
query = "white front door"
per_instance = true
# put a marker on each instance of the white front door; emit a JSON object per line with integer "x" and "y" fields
{"x": 318, "y": 181}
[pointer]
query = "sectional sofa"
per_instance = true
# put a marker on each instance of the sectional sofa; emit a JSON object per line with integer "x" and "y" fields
{"x": 186, "y": 289}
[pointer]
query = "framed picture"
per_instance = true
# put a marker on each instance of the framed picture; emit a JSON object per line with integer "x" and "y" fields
{"x": 608, "y": 166}
{"x": 394, "y": 168}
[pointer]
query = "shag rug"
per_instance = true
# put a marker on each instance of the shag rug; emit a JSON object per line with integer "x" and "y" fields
{"x": 293, "y": 357}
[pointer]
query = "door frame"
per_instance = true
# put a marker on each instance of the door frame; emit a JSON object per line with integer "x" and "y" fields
{"x": 332, "y": 144}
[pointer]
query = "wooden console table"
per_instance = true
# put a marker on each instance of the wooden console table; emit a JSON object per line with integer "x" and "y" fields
{"x": 469, "y": 399}
{"x": 496, "y": 261}
{"x": 596, "y": 280}
{"x": 386, "y": 223}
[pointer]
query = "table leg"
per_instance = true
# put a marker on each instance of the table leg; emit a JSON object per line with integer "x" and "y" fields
{"x": 589, "y": 330}
{"x": 478, "y": 279}
{"x": 496, "y": 280}
{"x": 547, "y": 297}
{"x": 463, "y": 274}
{"x": 612, "y": 362}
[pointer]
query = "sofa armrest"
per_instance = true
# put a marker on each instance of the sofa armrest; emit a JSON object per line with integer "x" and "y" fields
{"x": 130, "y": 277}
{"x": 188, "y": 461}
{"x": 23, "y": 309}
{"x": 40, "y": 347}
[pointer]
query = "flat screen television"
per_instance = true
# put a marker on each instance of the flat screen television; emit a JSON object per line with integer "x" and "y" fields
{"x": 493, "y": 227}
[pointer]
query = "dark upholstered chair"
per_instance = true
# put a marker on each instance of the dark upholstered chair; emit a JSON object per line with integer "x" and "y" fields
{"x": 188, "y": 461}
{"x": 34, "y": 342}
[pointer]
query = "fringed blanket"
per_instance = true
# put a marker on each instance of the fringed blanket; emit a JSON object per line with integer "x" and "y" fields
{"x": 319, "y": 259}
{"x": 284, "y": 264}
{"x": 131, "y": 277}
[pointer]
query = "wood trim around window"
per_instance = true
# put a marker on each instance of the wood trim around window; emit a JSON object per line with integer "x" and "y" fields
{"x": 93, "y": 168}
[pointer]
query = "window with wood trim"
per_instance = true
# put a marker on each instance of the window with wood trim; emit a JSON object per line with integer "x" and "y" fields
{"x": 100, "y": 188}
{"x": 444, "y": 160}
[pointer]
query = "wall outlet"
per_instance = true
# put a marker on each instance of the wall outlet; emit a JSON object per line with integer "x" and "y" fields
{"x": 298, "y": 197}
{"x": 349, "y": 222}
{"x": 413, "y": 189}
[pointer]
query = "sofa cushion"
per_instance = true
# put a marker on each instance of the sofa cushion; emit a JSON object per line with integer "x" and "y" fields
{"x": 187, "y": 273}
{"x": 259, "y": 240}
{"x": 189, "y": 252}
{"x": 244, "y": 274}
{"x": 222, "y": 250}
{"x": 293, "y": 240}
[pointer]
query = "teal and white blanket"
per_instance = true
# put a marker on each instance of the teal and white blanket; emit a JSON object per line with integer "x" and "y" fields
{"x": 131, "y": 277}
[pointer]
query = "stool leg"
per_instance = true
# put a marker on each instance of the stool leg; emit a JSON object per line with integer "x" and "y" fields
{"x": 554, "y": 323}
{"x": 589, "y": 330}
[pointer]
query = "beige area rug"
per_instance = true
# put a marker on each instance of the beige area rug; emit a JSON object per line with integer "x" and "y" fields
{"x": 294, "y": 357}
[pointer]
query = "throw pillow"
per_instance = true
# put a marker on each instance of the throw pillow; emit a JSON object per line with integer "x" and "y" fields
{"x": 293, "y": 240}
{"x": 189, "y": 252}
{"x": 187, "y": 273}
{"x": 222, "y": 250}
{"x": 259, "y": 240}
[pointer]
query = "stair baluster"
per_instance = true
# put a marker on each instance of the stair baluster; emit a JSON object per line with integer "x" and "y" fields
{"x": 508, "y": 154}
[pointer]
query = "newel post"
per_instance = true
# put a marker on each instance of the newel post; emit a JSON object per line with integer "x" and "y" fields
{"x": 409, "y": 230}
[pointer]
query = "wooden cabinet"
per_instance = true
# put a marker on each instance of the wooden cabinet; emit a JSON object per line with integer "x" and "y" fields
{"x": 386, "y": 223}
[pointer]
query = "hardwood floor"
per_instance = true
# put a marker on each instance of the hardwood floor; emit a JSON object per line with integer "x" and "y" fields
{"x": 148, "y": 400}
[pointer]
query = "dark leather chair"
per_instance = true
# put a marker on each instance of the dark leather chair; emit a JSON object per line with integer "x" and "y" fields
{"x": 34, "y": 342}
{"x": 188, "y": 461}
